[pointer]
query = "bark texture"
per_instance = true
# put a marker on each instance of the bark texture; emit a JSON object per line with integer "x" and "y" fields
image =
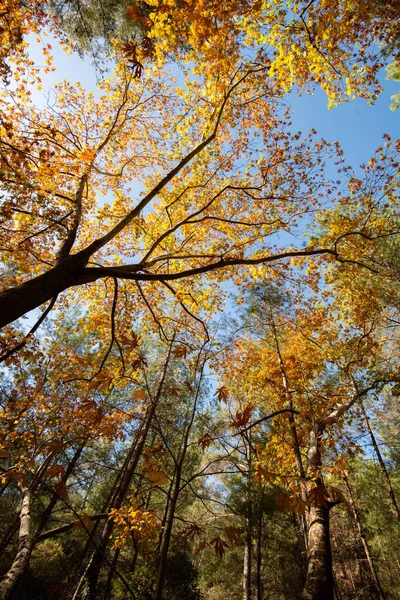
{"x": 25, "y": 546}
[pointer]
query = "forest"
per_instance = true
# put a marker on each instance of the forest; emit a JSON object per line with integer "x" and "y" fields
{"x": 199, "y": 304}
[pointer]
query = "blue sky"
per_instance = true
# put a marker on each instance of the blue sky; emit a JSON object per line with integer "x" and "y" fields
{"x": 356, "y": 125}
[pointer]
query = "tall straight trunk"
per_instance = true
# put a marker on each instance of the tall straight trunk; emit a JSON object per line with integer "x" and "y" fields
{"x": 289, "y": 402}
{"x": 319, "y": 579}
{"x": 108, "y": 589}
{"x": 247, "y": 570}
{"x": 105, "y": 507}
{"x": 356, "y": 514}
{"x": 97, "y": 559}
{"x": 55, "y": 497}
{"x": 25, "y": 546}
{"x": 166, "y": 539}
{"x": 391, "y": 493}
{"x": 259, "y": 551}
{"x": 247, "y": 555}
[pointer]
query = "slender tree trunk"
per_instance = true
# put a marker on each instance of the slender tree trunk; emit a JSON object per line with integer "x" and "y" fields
{"x": 167, "y": 535}
{"x": 259, "y": 551}
{"x": 108, "y": 588}
{"x": 177, "y": 489}
{"x": 391, "y": 493}
{"x": 247, "y": 555}
{"x": 361, "y": 532}
{"x": 55, "y": 497}
{"x": 247, "y": 570}
{"x": 96, "y": 561}
{"x": 289, "y": 402}
{"x": 25, "y": 545}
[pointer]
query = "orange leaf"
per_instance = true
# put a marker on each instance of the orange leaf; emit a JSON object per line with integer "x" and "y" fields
{"x": 139, "y": 395}
{"x": 222, "y": 394}
{"x": 242, "y": 417}
{"x": 180, "y": 351}
{"x": 157, "y": 478}
{"x": 205, "y": 441}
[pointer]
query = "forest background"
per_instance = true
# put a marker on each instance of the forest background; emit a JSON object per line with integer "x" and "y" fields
{"x": 199, "y": 302}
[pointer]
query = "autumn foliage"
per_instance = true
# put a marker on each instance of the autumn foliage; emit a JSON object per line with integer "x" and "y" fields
{"x": 169, "y": 229}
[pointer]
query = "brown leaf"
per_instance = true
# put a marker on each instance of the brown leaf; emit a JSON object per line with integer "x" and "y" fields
{"x": 200, "y": 548}
{"x": 133, "y": 13}
{"x": 291, "y": 504}
{"x": 61, "y": 490}
{"x": 243, "y": 417}
{"x": 189, "y": 532}
{"x": 140, "y": 362}
{"x": 180, "y": 351}
{"x": 317, "y": 496}
{"x": 219, "y": 546}
{"x": 132, "y": 342}
{"x": 205, "y": 441}
{"x": 222, "y": 394}
{"x": 100, "y": 382}
{"x": 261, "y": 474}
{"x": 233, "y": 534}
{"x": 54, "y": 471}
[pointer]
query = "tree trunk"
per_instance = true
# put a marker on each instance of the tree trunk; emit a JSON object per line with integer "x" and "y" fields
{"x": 96, "y": 561}
{"x": 319, "y": 581}
{"x": 25, "y": 545}
{"x": 391, "y": 493}
{"x": 180, "y": 461}
{"x": 259, "y": 550}
{"x": 17, "y": 301}
{"x": 55, "y": 497}
{"x": 247, "y": 555}
{"x": 167, "y": 536}
{"x": 361, "y": 531}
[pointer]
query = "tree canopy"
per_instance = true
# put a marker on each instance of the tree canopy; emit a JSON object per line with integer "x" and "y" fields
{"x": 199, "y": 305}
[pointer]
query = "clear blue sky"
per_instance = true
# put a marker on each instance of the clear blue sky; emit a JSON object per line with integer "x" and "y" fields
{"x": 356, "y": 125}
